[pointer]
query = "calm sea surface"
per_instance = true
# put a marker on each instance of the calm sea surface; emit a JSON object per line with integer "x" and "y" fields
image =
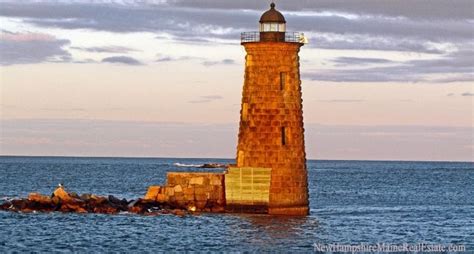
{"x": 352, "y": 202}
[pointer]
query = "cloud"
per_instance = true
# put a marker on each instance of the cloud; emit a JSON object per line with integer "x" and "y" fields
{"x": 181, "y": 23}
{"x": 342, "y": 101}
{"x": 433, "y": 27}
{"x": 206, "y": 99}
{"x": 422, "y": 9}
{"x": 25, "y": 37}
{"x": 122, "y": 60}
{"x": 199, "y": 101}
{"x": 221, "y": 62}
{"x": 63, "y": 109}
{"x": 106, "y": 49}
{"x": 467, "y": 94}
{"x": 343, "y": 61}
{"x": 212, "y": 97}
{"x": 28, "y": 48}
{"x": 165, "y": 58}
{"x": 380, "y": 43}
{"x": 457, "y": 64}
{"x": 382, "y": 26}
{"x": 220, "y": 21}
{"x": 464, "y": 78}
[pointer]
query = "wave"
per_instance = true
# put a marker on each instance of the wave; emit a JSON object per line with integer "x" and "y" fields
{"x": 7, "y": 198}
{"x": 177, "y": 164}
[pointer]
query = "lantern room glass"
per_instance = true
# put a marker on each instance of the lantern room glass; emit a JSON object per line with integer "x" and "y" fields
{"x": 272, "y": 27}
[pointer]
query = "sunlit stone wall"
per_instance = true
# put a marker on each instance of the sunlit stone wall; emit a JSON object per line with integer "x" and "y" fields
{"x": 271, "y": 124}
{"x": 204, "y": 191}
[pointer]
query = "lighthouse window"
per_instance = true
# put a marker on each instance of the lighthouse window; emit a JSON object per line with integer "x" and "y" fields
{"x": 266, "y": 27}
{"x": 245, "y": 108}
{"x": 283, "y": 136}
{"x": 281, "y": 27}
{"x": 282, "y": 80}
{"x": 272, "y": 27}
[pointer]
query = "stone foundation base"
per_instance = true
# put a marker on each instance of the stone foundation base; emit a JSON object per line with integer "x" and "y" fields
{"x": 254, "y": 209}
{"x": 192, "y": 191}
{"x": 293, "y": 211}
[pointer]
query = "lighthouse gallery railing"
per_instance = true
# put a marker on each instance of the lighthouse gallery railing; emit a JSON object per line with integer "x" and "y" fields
{"x": 255, "y": 37}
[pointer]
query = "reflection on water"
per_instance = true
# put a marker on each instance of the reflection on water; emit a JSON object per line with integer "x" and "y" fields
{"x": 281, "y": 226}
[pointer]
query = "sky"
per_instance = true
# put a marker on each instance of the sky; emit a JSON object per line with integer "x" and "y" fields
{"x": 381, "y": 80}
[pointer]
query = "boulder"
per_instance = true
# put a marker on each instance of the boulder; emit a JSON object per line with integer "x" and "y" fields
{"x": 169, "y": 191}
{"x": 72, "y": 203}
{"x": 200, "y": 204}
{"x": 178, "y": 212}
{"x": 141, "y": 206}
{"x": 105, "y": 210}
{"x": 27, "y": 210}
{"x": 6, "y": 206}
{"x": 213, "y": 165}
{"x": 62, "y": 194}
{"x": 74, "y": 195}
{"x": 178, "y": 188}
{"x": 196, "y": 180}
{"x": 152, "y": 192}
{"x": 97, "y": 199}
{"x": 132, "y": 203}
{"x": 134, "y": 209}
{"x": 86, "y": 196}
{"x": 19, "y": 204}
{"x": 120, "y": 204}
{"x": 114, "y": 200}
{"x": 162, "y": 198}
{"x": 72, "y": 207}
{"x": 56, "y": 200}
{"x": 36, "y": 197}
{"x": 217, "y": 209}
{"x": 216, "y": 180}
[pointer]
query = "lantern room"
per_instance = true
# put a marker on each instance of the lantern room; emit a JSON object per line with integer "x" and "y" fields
{"x": 272, "y": 21}
{"x": 272, "y": 25}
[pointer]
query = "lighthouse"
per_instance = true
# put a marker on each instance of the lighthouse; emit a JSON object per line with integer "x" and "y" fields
{"x": 271, "y": 132}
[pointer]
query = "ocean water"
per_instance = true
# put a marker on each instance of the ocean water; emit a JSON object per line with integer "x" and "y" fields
{"x": 352, "y": 202}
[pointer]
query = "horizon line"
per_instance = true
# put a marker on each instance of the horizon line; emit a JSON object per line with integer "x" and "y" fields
{"x": 158, "y": 157}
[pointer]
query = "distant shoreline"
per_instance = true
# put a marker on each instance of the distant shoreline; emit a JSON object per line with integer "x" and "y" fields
{"x": 209, "y": 158}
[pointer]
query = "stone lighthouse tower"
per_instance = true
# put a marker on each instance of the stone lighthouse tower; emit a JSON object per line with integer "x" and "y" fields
{"x": 271, "y": 124}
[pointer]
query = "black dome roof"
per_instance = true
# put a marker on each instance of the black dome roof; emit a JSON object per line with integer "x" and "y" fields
{"x": 272, "y": 16}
